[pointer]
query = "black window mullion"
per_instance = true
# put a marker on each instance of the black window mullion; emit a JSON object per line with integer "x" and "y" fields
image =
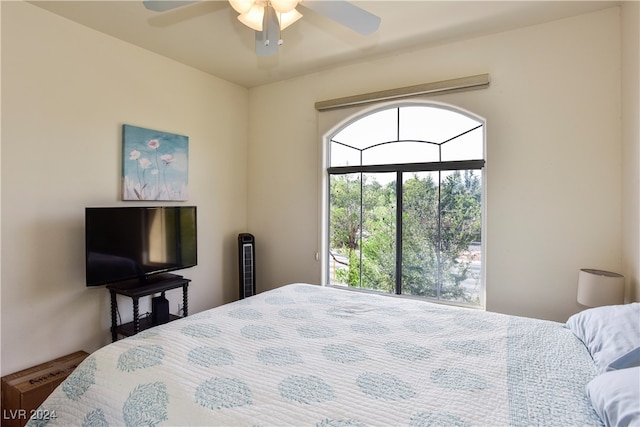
{"x": 398, "y": 217}
{"x": 327, "y": 268}
{"x": 360, "y": 281}
{"x": 361, "y": 224}
{"x": 439, "y": 248}
{"x": 399, "y": 209}
{"x": 410, "y": 167}
{"x": 439, "y": 225}
{"x": 463, "y": 133}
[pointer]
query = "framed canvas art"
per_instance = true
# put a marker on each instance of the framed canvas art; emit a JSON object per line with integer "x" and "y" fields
{"x": 155, "y": 165}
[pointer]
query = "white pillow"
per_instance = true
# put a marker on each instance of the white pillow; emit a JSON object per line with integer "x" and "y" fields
{"x": 628, "y": 360}
{"x": 615, "y": 396}
{"x": 610, "y": 333}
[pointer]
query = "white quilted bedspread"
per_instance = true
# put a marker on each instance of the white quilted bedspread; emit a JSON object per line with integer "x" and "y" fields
{"x": 304, "y": 355}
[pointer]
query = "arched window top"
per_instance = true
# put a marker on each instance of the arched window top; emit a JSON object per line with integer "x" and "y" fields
{"x": 413, "y": 133}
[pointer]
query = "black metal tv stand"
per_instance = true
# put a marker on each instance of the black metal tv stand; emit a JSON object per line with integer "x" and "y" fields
{"x": 135, "y": 289}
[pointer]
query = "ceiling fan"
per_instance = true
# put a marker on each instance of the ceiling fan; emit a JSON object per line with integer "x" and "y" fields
{"x": 269, "y": 17}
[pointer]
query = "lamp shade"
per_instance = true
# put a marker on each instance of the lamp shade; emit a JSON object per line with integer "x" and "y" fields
{"x": 599, "y": 287}
{"x": 284, "y": 6}
{"x": 254, "y": 17}
{"x": 241, "y": 6}
{"x": 286, "y": 19}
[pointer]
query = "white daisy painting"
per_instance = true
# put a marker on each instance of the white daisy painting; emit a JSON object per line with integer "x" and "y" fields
{"x": 154, "y": 165}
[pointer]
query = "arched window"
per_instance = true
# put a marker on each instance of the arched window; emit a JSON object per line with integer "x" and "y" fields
{"x": 405, "y": 203}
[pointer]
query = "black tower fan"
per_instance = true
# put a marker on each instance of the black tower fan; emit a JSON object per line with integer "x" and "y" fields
{"x": 247, "y": 261}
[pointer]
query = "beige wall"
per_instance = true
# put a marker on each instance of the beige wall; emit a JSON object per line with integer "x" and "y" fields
{"x": 553, "y": 157}
{"x": 66, "y": 91}
{"x": 631, "y": 145}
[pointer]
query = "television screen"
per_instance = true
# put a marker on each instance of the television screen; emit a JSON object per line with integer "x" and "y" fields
{"x": 125, "y": 243}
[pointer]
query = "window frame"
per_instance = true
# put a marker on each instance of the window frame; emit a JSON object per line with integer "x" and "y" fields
{"x": 400, "y": 169}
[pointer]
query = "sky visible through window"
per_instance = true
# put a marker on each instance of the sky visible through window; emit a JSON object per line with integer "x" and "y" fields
{"x": 424, "y": 134}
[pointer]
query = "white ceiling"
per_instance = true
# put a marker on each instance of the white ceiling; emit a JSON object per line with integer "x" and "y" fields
{"x": 207, "y": 35}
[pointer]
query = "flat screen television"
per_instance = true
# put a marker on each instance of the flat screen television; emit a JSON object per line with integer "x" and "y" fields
{"x": 137, "y": 243}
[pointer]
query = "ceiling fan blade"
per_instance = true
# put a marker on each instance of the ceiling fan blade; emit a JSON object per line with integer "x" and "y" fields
{"x": 267, "y": 39}
{"x": 164, "y": 5}
{"x": 345, "y": 13}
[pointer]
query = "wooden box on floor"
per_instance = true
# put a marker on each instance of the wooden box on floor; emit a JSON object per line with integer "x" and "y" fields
{"x": 24, "y": 391}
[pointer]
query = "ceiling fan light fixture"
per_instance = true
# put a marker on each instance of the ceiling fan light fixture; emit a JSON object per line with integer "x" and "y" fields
{"x": 253, "y": 18}
{"x": 241, "y": 6}
{"x": 284, "y": 6}
{"x": 286, "y": 19}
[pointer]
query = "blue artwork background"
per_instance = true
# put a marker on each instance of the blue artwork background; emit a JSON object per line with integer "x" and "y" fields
{"x": 155, "y": 165}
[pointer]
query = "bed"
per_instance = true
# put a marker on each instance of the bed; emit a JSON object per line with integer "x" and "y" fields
{"x": 306, "y": 355}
